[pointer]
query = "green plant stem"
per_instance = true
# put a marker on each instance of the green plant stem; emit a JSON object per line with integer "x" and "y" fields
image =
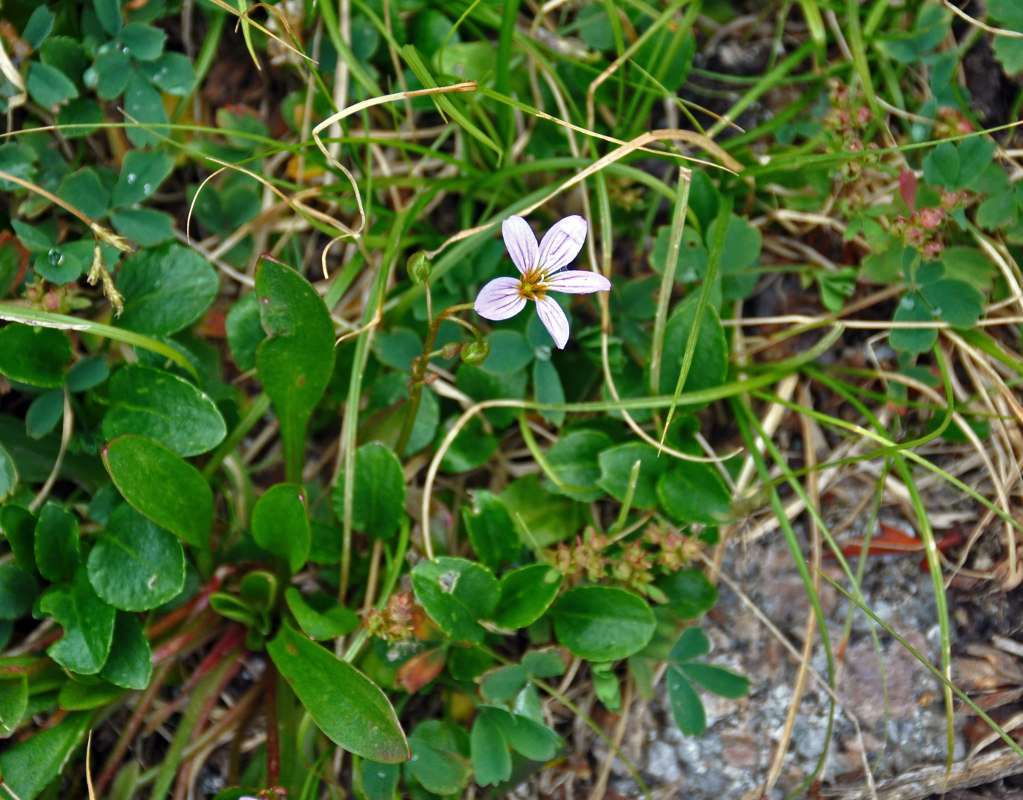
{"x": 419, "y": 370}
{"x": 350, "y": 426}
{"x": 255, "y": 413}
{"x": 717, "y": 247}
{"x": 502, "y": 82}
{"x": 678, "y": 221}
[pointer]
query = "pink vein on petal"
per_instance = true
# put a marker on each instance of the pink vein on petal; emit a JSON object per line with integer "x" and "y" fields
{"x": 562, "y": 243}
{"x": 554, "y": 320}
{"x": 520, "y": 243}
{"x": 578, "y": 281}
{"x": 499, "y": 299}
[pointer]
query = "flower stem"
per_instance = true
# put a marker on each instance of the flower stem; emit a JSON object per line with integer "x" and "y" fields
{"x": 419, "y": 368}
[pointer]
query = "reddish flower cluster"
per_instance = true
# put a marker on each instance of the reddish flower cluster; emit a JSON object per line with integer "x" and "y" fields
{"x": 635, "y": 564}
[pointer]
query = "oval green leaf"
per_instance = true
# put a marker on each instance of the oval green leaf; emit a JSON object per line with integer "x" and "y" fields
{"x": 163, "y": 486}
{"x": 694, "y": 492}
{"x": 616, "y": 467}
{"x": 130, "y": 665}
{"x": 88, "y": 625}
{"x": 30, "y": 766}
{"x": 136, "y": 565}
{"x": 525, "y": 594}
{"x": 56, "y": 543}
{"x": 165, "y": 290}
{"x": 163, "y": 407}
{"x": 491, "y": 529}
{"x": 296, "y": 361}
{"x": 456, "y": 593}
{"x": 379, "y": 501}
{"x": 280, "y": 524}
{"x": 36, "y": 356}
{"x": 574, "y": 460}
{"x": 602, "y": 623}
{"x": 346, "y": 705}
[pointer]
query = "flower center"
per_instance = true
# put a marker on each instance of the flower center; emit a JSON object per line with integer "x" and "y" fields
{"x": 532, "y": 285}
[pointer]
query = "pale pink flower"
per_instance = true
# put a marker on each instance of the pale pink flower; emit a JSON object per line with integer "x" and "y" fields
{"x": 541, "y": 270}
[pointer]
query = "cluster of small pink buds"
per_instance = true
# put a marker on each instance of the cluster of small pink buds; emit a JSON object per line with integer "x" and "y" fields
{"x": 396, "y": 622}
{"x": 635, "y": 564}
{"x": 847, "y": 121}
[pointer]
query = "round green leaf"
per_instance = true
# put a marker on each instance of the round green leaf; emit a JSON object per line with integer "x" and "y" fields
{"x": 535, "y": 741}
{"x": 36, "y": 356}
{"x": 917, "y": 339}
{"x": 142, "y": 42}
{"x": 695, "y": 492}
{"x": 44, "y": 413}
{"x": 491, "y": 530}
{"x": 346, "y": 705}
{"x": 710, "y": 358}
{"x": 130, "y": 665}
{"x": 48, "y": 86}
{"x": 171, "y": 73}
{"x": 136, "y": 565}
{"x": 56, "y": 543}
{"x": 244, "y": 331}
{"x": 525, "y": 594}
{"x": 541, "y": 517}
{"x": 602, "y": 623}
{"x": 145, "y": 226}
{"x": 84, "y": 190}
{"x": 689, "y": 593}
{"x": 280, "y": 524}
{"x": 19, "y": 528}
{"x": 18, "y": 590}
{"x": 379, "y": 501}
{"x": 574, "y": 459}
{"x": 142, "y": 172}
{"x": 143, "y": 102}
{"x": 509, "y": 352}
{"x": 616, "y": 467}
{"x": 88, "y": 624}
{"x": 456, "y": 593}
{"x": 165, "y": 289}
{"x": 491, "y": 761}
{"x": 440, "y": 757}
{"x": 547, "y": 388}
{"x": 164, "y": 487}
{"x": 163, "y": 407}
{"x": 472, "y": 448}
{"x": 956, "y": 302}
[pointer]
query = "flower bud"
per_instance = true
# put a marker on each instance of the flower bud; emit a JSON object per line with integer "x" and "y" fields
{"x": 475, "y": 353}
{"x": 419, "y": 268}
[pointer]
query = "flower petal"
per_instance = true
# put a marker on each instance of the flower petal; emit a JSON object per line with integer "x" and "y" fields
{"x": 578, "y": 281}
{"x": 562, "y": 243}
{"x": 520, "y": 243}
{"x": 554, "y": 320}
{"x": 499, "y": 299}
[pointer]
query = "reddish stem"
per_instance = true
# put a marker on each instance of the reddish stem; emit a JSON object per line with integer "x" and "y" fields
{"x": 230, "y": 639}
{"x": 193, "y": 607}
{"x": 128, "y": 735}
{"x": 184, "y": 771}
